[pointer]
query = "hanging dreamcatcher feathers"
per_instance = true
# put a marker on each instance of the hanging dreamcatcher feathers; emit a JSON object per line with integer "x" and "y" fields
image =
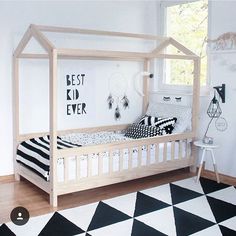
{"x": 117, "y": 86}
{"x": 125, "y": 102}
{"x": 117, "y": 113}
{"x": 110, "y": 101}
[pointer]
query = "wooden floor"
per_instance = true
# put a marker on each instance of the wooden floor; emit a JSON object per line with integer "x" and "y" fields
{"x": 23, "y": 193}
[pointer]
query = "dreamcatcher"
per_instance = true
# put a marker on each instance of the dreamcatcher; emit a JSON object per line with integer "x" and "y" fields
{"x": 117, "y": 97}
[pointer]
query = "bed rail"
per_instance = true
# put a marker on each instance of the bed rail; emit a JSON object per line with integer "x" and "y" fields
{"x": 124, "y": 144}
{"x": 113, "y": 128}
{"x": 95, "y": 166}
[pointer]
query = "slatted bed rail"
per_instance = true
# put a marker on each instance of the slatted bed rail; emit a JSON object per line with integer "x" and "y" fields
{"x": 89, "y": 167}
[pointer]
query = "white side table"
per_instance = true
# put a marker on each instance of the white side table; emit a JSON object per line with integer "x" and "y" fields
{"x": 207, "y": 147}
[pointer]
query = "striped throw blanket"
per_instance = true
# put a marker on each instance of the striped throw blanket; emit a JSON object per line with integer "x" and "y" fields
{"x": 34, "y": 154}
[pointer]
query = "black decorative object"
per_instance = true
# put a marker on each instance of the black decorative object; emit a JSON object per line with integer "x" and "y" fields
{"x": 151, "y": 76}
{"x": 110, "y": 101}
{"x": 75, "y": 87}
{"x": 221, "y": 92}
{"x": 166, "y": 99}
{"x": 125, "y": 101}
{"x": 178, "y": 99}
{"x": 214, "y": 110}
{"x": 117, "y": 113}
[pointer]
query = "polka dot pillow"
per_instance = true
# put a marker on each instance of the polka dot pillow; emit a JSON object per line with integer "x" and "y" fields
{"x": 141, "y": 131}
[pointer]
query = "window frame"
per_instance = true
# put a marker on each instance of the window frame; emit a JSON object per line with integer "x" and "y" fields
{"x": 162, "y": 85}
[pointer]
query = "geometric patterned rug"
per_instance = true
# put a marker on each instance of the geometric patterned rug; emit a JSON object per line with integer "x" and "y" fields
{"x": 179, "y": 208}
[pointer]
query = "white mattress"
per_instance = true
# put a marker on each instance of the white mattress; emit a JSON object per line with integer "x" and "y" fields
{"x": 115, "y": 156}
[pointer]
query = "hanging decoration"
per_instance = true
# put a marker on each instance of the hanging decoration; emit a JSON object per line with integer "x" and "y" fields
{"x": 110, "y": 101}
{"x": 117, "y": 113}
{"x": 125, "y": 101}
{"x": 117, "y": 95}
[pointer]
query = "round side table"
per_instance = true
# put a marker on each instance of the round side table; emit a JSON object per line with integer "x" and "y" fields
{"x": 207, "y": 147}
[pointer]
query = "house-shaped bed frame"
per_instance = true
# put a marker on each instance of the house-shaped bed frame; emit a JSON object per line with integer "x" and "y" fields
{"x": 53, "y": 54}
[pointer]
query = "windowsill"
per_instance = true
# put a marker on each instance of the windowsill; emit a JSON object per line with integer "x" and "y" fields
{"x": 204, "y": 93}
{"x": 183, "y": 93}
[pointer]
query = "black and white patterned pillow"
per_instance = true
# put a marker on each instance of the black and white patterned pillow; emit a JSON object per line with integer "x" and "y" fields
{"x": 148, "y": 120}
{"x": 141, "y": 131}
{"x": 166, "y": 125}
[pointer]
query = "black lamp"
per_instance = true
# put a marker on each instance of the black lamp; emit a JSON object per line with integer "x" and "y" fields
{"x": 221, "y": 92}
{"x": 214, "y": 110}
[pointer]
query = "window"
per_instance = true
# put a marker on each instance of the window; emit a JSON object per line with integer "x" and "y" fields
{"x": 186, "y": 22}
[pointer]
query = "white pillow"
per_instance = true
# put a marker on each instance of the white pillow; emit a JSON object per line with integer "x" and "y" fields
{"x": 182, "y": 113}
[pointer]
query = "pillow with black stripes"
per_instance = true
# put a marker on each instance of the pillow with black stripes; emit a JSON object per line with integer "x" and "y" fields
{"x": 141, "y": 131}
{"x": 166, "y": 125}
{"x": 148, "y": 120}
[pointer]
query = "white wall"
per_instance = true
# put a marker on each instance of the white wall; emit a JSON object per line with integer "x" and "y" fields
{"x": 222, "y": 19}
{"x": 15, "y": 17}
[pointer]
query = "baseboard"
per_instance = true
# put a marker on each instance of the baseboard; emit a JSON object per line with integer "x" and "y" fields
{"x": 223, "y": 178}
{"x": 7, "y": 178}
{"x": 205, "y": 173}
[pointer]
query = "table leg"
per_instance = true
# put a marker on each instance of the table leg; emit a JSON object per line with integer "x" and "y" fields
{"x": 214, "y": 164}
{"x": 201, "y": 164}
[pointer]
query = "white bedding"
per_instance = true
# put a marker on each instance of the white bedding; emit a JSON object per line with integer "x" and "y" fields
{"x": 86, "y": 139}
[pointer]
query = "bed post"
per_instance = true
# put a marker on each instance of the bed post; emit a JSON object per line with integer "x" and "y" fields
{"x": 15, "y": 96}
{"x": 53, "y": 126}
{"x": 15, "y": 107}
{"x": 195, "y": 108}
{"x": 145, "y": 86}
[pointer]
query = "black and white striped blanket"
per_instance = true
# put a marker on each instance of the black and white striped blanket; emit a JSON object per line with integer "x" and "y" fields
{"x": 34, "y": 154}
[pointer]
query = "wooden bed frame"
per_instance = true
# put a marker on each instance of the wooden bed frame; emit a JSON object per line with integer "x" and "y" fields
{"x": 55, "y": 188}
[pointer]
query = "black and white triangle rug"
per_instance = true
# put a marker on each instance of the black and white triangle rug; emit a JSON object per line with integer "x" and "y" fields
{"x": 179, "y": 208}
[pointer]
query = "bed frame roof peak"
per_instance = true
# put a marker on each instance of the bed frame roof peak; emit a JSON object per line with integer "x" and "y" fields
{"x": 37, "y": 32}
